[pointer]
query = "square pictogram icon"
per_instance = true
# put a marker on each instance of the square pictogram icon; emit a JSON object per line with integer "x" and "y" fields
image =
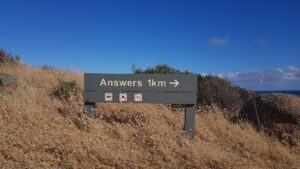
{"x": 123, "y": 97}
{"x": 108, "y": 97}
{"x": 138, "y": 97}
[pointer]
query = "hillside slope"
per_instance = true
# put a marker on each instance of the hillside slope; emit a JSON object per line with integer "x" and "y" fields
{"x": 37, "y": 130}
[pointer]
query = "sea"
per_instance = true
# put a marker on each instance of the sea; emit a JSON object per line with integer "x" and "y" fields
{"x": 295, "y": 92}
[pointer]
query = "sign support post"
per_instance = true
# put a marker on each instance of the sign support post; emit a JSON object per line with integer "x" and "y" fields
{"x": 189, "y": 119}
{"x": 88, "y": 109}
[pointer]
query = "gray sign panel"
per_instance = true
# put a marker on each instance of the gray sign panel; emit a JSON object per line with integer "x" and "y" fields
{"x": 140, "y": 82}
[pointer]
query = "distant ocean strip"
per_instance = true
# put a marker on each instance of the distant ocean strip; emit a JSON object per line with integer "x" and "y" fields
{"x": 295, "y": 92}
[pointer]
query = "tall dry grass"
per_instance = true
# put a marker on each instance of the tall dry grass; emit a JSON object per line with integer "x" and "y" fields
{"x": 37, "y": 130}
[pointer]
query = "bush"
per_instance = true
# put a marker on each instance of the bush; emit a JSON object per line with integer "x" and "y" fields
{"x": 160, "y": 69}
{"x": 246, "y": 95}
{"x": 46, "y": 67}
{"x": 215, "y": 90}
{"x": 6, "y": 57}
{"x": 68, "y": 90}
{"x": 276, "y": 114}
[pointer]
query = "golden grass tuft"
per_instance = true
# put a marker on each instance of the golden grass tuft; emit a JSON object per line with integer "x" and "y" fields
{"x": 37, "y": 130}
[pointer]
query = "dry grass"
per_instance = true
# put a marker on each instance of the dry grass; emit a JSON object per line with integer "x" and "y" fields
{"x": 38, "y": 130}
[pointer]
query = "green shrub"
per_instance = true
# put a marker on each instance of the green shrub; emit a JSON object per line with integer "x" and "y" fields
{"x": 160, "y": 69}
{"x": 6, "y": 57}
{"x": 68, "y": 90}
{"x": 218, "y": 91}
{"x": 46, "y": 67}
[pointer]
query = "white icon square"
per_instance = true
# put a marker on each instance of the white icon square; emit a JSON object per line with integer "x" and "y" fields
{"x": 138, "y": 97}
{"x": 108, "y": 97}
{"x": 123, "y": 97}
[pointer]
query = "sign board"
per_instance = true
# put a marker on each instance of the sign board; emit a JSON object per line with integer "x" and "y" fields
{"x": 143, "y": 88}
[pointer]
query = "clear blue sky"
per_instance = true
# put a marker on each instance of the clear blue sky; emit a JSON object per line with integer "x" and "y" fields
{"x": 214, "y": 37}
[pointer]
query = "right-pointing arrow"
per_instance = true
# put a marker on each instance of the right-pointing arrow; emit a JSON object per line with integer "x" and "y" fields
{"x": 175, "y": 83}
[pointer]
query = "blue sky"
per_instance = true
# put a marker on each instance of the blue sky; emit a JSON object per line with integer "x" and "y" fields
{"x": 232, "y": 39}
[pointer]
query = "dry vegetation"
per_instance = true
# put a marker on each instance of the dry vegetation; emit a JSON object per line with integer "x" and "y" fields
{"x": 39, "y": 130}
